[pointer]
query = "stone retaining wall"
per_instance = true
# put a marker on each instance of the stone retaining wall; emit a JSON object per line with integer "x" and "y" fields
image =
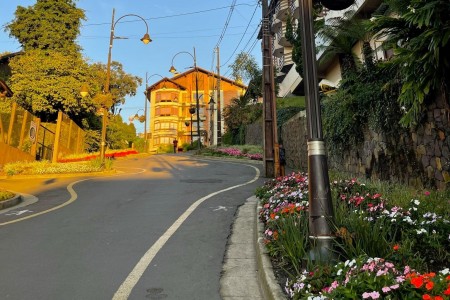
{"x": 420, "y": 157}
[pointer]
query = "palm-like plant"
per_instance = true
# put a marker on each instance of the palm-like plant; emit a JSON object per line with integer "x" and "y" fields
{"x": 419, "y": 32}
{"x": 340, "y": 36}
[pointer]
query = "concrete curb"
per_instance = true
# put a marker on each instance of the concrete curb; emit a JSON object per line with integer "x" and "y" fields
{"x": 11, "y": 202}
{"x": 269, "y": 285}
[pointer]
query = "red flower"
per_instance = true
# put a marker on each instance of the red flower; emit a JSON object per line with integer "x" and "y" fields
{"x": 426, "y": 297}
{"x": 438, "y": 298}
{"x": 447, "y": 291}
{"x": 429, "y": 285}
{"x": 417, "y": 282}
{"x": 396, "y": 247}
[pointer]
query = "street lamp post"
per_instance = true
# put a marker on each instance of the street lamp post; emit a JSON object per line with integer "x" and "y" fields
{"x": 192, "y": 110}
{"x": 145, "y": 39}
{"x": 319, "y": 194}
{"x": 173, "y": 71}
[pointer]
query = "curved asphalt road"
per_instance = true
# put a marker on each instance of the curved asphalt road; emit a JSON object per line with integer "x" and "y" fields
{"x": 156, "y": 231}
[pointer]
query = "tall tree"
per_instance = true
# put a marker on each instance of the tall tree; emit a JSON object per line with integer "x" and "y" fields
{"x": 122, "y": 84}
{"x": 47, "y": 77}
{"x": 419, "y": 33}
{"x": 245, "y": 68}
{"x": 47, "y": 25}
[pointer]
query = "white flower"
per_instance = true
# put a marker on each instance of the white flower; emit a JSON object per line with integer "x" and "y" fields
{"x": 416, "y": 202}
{"x": 445, "y": 271}
{"x": 339, "y": 272}
{"x": 420, "y": 231}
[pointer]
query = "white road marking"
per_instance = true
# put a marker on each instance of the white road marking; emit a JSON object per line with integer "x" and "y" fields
{"x": 19, "y": 212}
{"x": 220, "y": 208}
{"x": 73, "y": 197}
{"x": 132, "y": 279}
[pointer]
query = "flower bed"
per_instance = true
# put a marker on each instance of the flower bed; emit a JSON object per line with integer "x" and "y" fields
{"x": 239, "y": 153}
{"x": 383, "y": 251}
{"x": 114, "y": 154}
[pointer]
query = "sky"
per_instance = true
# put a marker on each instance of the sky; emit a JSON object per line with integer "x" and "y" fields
{"x": 174, "y": 26}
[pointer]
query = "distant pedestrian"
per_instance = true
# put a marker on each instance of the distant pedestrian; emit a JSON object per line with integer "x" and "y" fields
{"x": 282, "y": 153}
{"x": 175, "y": 145}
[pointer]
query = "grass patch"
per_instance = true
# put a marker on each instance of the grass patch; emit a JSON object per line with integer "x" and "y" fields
{"x": 291, "y": 102}
{"x": 5, "y": 195}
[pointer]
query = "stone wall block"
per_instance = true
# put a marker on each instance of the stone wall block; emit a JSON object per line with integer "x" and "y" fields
{"x": 438, "y": 163}
{"x": 437, "y": 148}
{"x": 430, "y": 171}
{"x": 433, "y": 162}
{"x": 425, "y": 161}
{"x": 421, "y": 150}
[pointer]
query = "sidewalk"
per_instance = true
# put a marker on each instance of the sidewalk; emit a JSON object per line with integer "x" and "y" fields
{"x": 247, "y": 271}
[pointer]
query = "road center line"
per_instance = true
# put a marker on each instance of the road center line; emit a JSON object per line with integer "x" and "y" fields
{"x": 130, "y": 282}
{"x": 73, "y": 197}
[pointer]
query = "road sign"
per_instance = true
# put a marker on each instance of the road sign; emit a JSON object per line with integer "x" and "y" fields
{"x": 32, "y": 132}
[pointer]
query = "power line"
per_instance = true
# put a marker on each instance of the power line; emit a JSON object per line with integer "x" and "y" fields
{"x": 243, "y": 35}
{"x": 230, "y": 13}
{"x": 174, "y": 15}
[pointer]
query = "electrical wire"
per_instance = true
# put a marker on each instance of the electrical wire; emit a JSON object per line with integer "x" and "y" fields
{"x": 243, "y": 35}
{"x": 230, "y": 13}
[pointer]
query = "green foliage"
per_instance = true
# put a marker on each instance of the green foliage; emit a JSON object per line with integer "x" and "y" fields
{"x": 292, "y": 241}
{"x": 165, "y": 148}
{"x": 239, "y": 114}
{"x": 419, "y": 34}
{"x": 245, "y": 68}
{"x": 227, "y": 138}
{"x": 5, "y": 195}
{"x": 122, "y": 84}
{"x": 119, "y": 134}
{"x": 45, "y": 82}
{"x": 339, "y": 39}
{"x": 297, "y": 101}
{"x": 48, "y": 76}
{"x": 48, "y": 25}
{"x": 365, "y": 99}
{"x": 293, "y": 35}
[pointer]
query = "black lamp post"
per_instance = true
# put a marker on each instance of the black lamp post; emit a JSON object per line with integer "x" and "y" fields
{"x": 145, "y": 39}
{"x": 320, "y": 206}
{"x": 174, "y": 71}
{"x": 192, "y": 110}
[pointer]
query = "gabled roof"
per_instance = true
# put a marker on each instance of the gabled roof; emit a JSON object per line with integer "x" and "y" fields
{"x": 6, "y": 57}
{"x": 5, "y": 90}
{"x": 165, "y": 79}
{"x": 201, "y": 70}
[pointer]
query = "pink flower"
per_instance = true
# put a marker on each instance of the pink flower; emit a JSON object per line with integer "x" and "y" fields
{"x": 372, "y": 295}
{"x": 395, "y": 286}
{"x": 426, "y": 193}
{"x": 386, "y": 289}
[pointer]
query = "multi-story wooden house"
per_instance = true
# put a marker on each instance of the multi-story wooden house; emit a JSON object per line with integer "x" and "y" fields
{"x": 173, "y": 104}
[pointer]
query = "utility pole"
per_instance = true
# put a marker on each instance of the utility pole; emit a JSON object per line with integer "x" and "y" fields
{"x": 271, "y": 160}
{"x": 219, "y": 107}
